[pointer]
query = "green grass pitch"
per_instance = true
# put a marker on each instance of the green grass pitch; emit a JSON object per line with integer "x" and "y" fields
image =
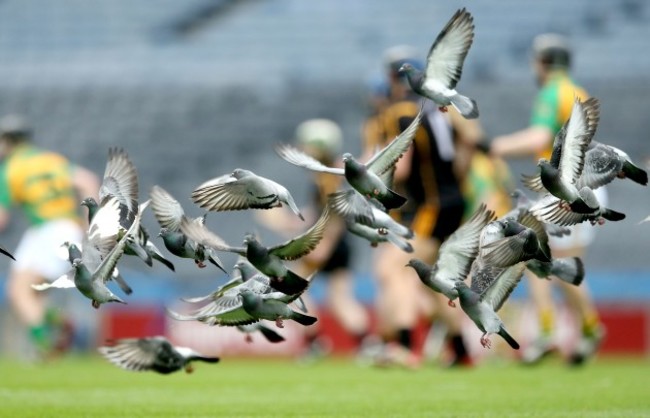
{"x": 91, "y": 387}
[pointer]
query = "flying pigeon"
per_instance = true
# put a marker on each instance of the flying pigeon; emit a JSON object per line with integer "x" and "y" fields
{"x": 7, "y": 253}
{"x": 366, "y": 218}
{"x": 522, "y": 207}
{"x": 141, "y": 246}
{"x": 484, "y": 298}
{"x": 444, "y": 66}
{"x": 268, "y": 333}
{"x": 243, "y": 189}
{"x": 364, "y": 178}
{"x": 152, "y": 353}
{"x": 551, "y": 209}
{"x": 225, "y": 307}
{"x": 561, "y": 174}
{"x": 455, "y": 256}
{"x": 268, "y": 260}
{"x": 272, "y": 309}
{"x": 603, "y": 164}
{"x": 169, "y": 214}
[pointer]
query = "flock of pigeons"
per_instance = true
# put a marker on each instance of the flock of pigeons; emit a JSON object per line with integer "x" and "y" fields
{"x": 493, "y": 252}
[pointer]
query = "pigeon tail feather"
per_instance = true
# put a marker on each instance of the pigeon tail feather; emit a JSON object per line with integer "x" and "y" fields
{"x": 392, "y": 200}
{"x": 271, "y": 335}
{"x": 303, "y": 319}
{"x": 511, "y": 341}
{"x": 612, "y": 215}
{"x": 572, "y": 271}
{"x": 290, "y": 284}
{"x": 465, "y": 106}
{"x": 635, "y": 173}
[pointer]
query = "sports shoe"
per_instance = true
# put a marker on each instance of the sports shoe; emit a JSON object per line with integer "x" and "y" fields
{"x": 396, "y": 355}
{"x": 587, "y": 347}
{"x": 536, "y": 351}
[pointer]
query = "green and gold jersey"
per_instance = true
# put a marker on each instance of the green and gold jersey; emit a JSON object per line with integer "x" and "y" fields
{"x": 553, "y": 104}
{"x": 40, "y": 182}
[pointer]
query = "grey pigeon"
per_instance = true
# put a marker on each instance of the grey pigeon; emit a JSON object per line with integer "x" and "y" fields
{"x": 455, "y": 256}
{"x": 561, "y": 174}
{"x": 74, "y": 253}
{"x": 153, "y": 353}
{"x": 272, "y": 309}
{"x": 603, "y": 164}
{"x": 551, "y": 209}
{"x": 169, "y": 214}
{"x": 141, "y": 246}
{"x": 242, "y": 272}
{"x": 268, "y": 333}
{"x": 98, "y": 260}
{"x": 364, "y": 178}
{"x": 444, "y": 66}
{"x": 568, "y": 269}
{"x": 243, "y": 189}
{"x": 268, "y": 260}
{"x": 366, "y": 218}
{"x": 7, "y": 253}
{"x": 485, "y": 298}
{"x": 522, "y": 207}
{"x": 225, "y": 307}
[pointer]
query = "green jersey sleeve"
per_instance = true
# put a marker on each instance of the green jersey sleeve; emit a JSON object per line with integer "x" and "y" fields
{"x": 546, "y": 109}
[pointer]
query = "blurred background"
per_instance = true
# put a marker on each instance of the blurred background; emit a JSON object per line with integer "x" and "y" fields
{"x": 194, "y": 89}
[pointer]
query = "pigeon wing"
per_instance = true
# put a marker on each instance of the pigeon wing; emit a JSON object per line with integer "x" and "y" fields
{"x": 602, "y": 166}
{"x": 497, "y": 293}
{"x": 166, "y": 209}
{"x": 447, "y": 54}
{"x": 386, "y": 159}
{"x": 299, "y": 158}
{"x": 580, "y": 128}
{"x": 533, "y": 182}
{"x": 197, "y": 232}
{"x": 304, "y": 243}
{"x": 120, "y": 180}
{"x": 350, "y": 204}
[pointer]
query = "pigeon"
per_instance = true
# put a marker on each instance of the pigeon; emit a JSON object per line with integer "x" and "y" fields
{"x": 364, "y": 178}
{"x": 444, "y": 66}
{"x": 225, "y": 307}
{"x": 568, "y": 269}
{"x": 560, "y": 175}
{"x": 603, "y": 164}
{"x": 551, "y": 209}
{"x": 100, "y": 256}
{"x": 169, "y": 214}
{"x": 272, "y": 309}
{"x": 367, "y": 218}
{"x": 242, "y": 272}
{"x": 7, "y": 253}
{"x": 522, "y": 207}
{"x": 455, "y": 256}
{"x": 268, "y": 260}
{"x": 268, "y": 333}
{"x": 484, "y": 298}
{"x": 505, "y": 242}
{"x": 243, "y": 189}
{"x": 141, "y": 246}
{"x": 152, "y": 353}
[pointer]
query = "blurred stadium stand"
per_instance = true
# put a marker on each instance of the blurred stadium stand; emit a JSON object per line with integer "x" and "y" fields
{"x": 193, "y": 89}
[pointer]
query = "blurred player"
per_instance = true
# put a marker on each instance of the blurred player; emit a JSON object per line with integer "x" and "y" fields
{"x": 429, "y": 174}
{"x": 322, "y": 139}
{"x": 551, "y": 64}
{"x": 47, "y": 187}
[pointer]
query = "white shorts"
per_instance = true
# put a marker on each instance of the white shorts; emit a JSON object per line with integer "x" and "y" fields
{"x": 583, "y": 233}
{"x": 40, "y": 249}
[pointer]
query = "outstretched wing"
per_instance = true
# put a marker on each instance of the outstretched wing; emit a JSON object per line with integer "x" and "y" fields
{"x": 350, "y": 204}
{"x": 580, "y": 128}
{"x": 447, "y": 54}
{"x": 305, "y": 243}
{"x": 299, "y": 158}
{"x": 602, "y": 166}
{"x": 166, "y": 209}
{"x": 196, "y": 231}
{"x": 385, "y": 159}
{"x": 136, "y": 354}
{"x": 497, "y": 293}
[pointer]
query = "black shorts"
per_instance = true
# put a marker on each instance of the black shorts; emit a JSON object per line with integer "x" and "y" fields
{"x": 340, "y": 258}
{"x": 449, "y": 217}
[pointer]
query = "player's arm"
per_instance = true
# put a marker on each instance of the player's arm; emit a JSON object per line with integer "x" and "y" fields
{"x": 538, "y": 137}
{"x": 468, "y": 134}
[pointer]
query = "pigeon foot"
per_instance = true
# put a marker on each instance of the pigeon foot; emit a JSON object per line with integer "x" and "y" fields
{"x": 443, "y": 109}
{"x": 248, "y": 338}
{"x": 200, "y": 264}
{"x": 374, "y": 244}
{"x": 382, "y": 231}
{"x": 279, "y": 323}
{"x": 95, "y": 304}
{"x": 485, "y": 342}
{"x": 451, "y": 303}
{"x": 375, "y": 192}
{"x": 189, "y": 369}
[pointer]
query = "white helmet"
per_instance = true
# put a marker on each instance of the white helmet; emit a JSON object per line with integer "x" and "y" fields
{"x": 322, "y": 134}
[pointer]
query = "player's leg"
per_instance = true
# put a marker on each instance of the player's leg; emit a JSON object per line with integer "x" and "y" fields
{"x": 342, "y": 303}
{"x": 540, "y": 291}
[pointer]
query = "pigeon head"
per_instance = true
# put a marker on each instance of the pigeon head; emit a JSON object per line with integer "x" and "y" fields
{"x": 89, "y": 202}
{"x": 77, "y": 262}
{"x": 543, "y": 162}
{"x": 420, "y": 267}
{"x": 347, "y": 157}
{"x": 511, "y": 227}
{"x": 249, "y": 238}
{"x": 239, "y": 173}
